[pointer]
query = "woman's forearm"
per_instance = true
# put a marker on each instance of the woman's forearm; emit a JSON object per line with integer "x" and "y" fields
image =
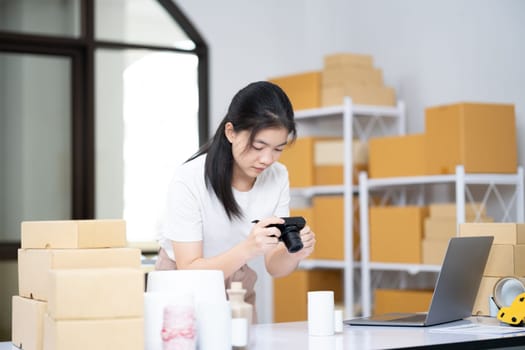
{"x": 228, "y": 262}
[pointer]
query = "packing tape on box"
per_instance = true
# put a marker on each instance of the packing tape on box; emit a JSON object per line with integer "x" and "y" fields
{"x": 506, "y": 289}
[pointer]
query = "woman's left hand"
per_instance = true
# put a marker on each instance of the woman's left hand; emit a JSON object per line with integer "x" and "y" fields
{"x": 308, "y": 239}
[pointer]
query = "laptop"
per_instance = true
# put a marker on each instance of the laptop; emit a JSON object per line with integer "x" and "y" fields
{"x": 455, "y": 291}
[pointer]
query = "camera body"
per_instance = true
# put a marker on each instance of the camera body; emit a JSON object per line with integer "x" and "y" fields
{"x": 290, "y": 235}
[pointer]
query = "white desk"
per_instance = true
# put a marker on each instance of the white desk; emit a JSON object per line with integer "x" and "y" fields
{"x": 294, "y": 336}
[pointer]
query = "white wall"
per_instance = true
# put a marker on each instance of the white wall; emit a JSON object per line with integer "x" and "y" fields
{"x": 433, "y": 52}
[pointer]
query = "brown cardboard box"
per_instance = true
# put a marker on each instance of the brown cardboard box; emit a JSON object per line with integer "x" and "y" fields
{"x": 397, "y": 156}
{"x": 396, "y": 233}
{"x": 290, "y": 292}
{"x": 303, "y": 89}
{"x": 333, "y": 95}
{"x": 346, "y": 59}
{"x": 120, "y": 333}
{"x": 506, "y": 260}
{"x": 329, "y": 227}
{"x": 306, "y": 213}
{"x": 448, "y": 210}
{"x": 299, "y": 160}
{"x": 329, "y": 161}
{"x": 96, "y": 293}
{"x": 440, "y": 228}
{"x": 481, "y": 305}
{"x": 28, "y": 323}
{"x": 356, "y": 75}
{"x": 434, "y": 251}
{"x": 319, "y": 161}
{"x": 34, "y": 264}
{"x": 480, "y": 136}
{"x": 401, "y": 300}
{"x": 503, "y": 232}
{"x": 74, "y": 234}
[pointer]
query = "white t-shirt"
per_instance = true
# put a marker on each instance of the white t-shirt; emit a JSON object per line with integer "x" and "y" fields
{"x": 194, "y": 213}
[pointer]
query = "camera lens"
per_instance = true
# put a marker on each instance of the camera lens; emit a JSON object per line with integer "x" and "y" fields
{"x": 291, "y": 238}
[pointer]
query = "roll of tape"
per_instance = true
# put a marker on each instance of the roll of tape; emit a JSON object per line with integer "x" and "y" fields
{"x": 506, "y": 289}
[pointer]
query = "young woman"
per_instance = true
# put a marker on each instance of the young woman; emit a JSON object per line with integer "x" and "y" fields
{"x": 231, "y": 181}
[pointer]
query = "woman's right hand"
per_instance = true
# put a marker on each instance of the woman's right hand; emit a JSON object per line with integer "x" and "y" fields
{"x": 262, "y": 238}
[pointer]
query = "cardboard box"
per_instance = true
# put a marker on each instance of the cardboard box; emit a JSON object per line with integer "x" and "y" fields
{"x": 290, "y": 301}
{"x": 329, "y": 161}
{"x": 481, "y": 305}
{"x": 434, "y": 251}
{"x": 401, "y": 300}
{"x": 506, "y": 260}
{"x": 299, "y": 160}
{"x": 74, "y": 234}
{"x": 479, "y": 136}
{"x": 329, "y": 227}
{"x": 346, "y": 59}
{"x": 473, "y": 211}
{"x": 503, "y": 232}
{"x": 316, "y": 161}
{"x": 440, "y": 228}
{"x": 27, "y": 323}
{"x": 307, "y": 213}
{"x": 396, "y": 234}
{"x": 356, "y": 75}
{"x": 303, "y": 89}
{"x": 96, "y": 293}
{"x": 397, "y": 156}
{"x": 121, "y": 333}
{"x": 333, "y": 95}
{"x": 34, "y": 265}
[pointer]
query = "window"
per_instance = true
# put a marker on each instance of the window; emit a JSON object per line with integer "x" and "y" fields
{"x": 99, "y": 101}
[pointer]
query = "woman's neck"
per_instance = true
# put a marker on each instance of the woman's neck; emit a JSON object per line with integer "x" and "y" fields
{"x": 241, "y": 182}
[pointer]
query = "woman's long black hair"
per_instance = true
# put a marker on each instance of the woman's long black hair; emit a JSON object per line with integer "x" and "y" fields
{"x": 259, "y": 105}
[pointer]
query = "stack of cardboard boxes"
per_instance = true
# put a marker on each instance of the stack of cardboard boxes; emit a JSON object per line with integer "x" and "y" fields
{"x": 319, "y": 161}
{"x": 354, "y": 75}
{"x": 79, "y": 287}
{"x": 343, "y": 74}
{"x": 396, "y": 234}
{"x": 479, "y": 136}
{"x": 506, "y": 257}
{"x": 441, "y": 225}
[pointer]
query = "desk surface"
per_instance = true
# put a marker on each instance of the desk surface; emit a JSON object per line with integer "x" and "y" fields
{"x": 294, "y": 335}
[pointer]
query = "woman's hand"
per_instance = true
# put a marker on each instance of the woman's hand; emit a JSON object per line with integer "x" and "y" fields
{"x": 262, "y": 238}
{"x": 308, "y": 239}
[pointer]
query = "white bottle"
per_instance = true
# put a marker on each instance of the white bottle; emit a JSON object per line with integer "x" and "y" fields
{"x": 240, "y": 309}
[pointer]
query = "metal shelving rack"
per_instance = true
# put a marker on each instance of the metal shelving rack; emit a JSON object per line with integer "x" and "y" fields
{"x": 359, "y": 120}
{"x": 462, "y": 181}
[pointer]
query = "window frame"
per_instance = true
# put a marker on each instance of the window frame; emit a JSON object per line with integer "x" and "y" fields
{"x": 81, "y": 51}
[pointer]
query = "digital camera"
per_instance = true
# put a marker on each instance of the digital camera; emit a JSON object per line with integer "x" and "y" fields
{"x": 290, "y": 232}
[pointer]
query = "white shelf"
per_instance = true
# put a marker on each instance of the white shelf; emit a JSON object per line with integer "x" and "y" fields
{"x": 461, "y": 181}
{"x": 471, "y": 179}
{"x": 309, "y": 192}
{"x": 357, "y": 120}
{"x": 310, "y": 264}
{"x": 357, "y": 110}
{"x": 411, "y": 268}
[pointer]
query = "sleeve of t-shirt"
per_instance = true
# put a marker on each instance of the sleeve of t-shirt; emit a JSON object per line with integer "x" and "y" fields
{"x": 283, "y": 205}
{"x": 183, "y": 221}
